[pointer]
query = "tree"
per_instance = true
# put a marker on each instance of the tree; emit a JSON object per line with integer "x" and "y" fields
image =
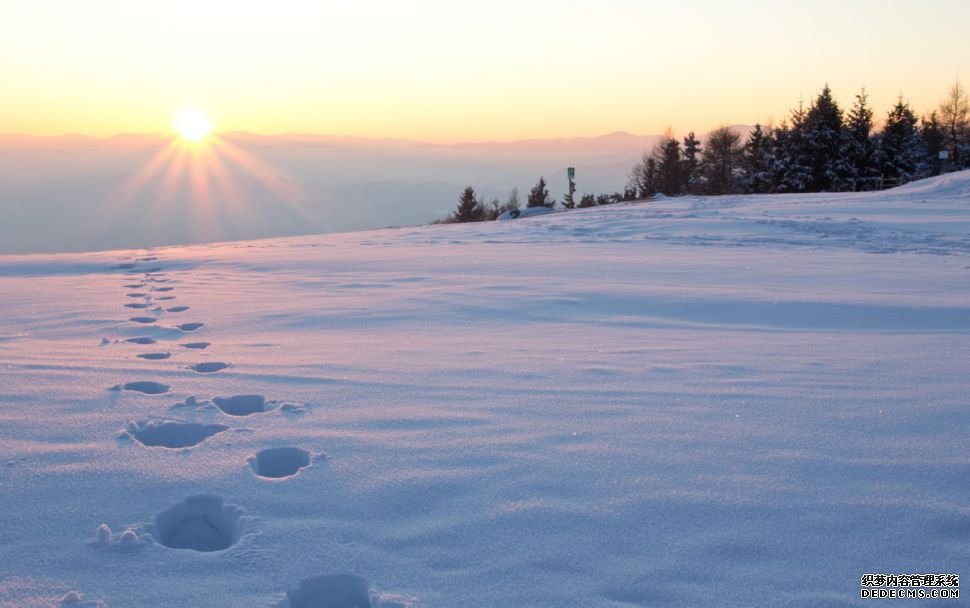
{"x": 691, "y": 163}
{"x": 823, "y": 145}
{"x": 669, "y": 166}
{"x": 860, "y": 149}
{"x": 955, "y": 118}
{"x": 790, "y": 173}
{"x": 470, "y": 209}
{"x": 539, "y": 195}
{"x": 757, "y": 158}
{"x": 588, "y": 200}
{"x": 643, "y": 177}
{"x": 720, "y": 166}
{"x": 900, "y": 151}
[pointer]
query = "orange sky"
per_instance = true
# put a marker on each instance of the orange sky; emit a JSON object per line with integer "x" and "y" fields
{"x": 447, "y": 71}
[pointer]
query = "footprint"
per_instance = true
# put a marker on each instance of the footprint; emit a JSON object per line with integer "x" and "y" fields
{"x": 135, "y": 286}
{"x": 125, "y": 266}
{"x": 332, "y": 591}
{"x": 151, "y": 270}
{"x": 150, "y": 259}
{"x": 143, "y": 319}
{"x": 136, "y": 305}
{"x": 154, "y": 356}
{"x": 162, "y": 288}
{"x": 209, "y": 367}
{"x": 196, "y": 345}
{"x": 172, "y": 434}
{"x": 200, "y": 523}
{"x": 277, "y": 463}
{"x": 166, "y": 298}
{"x": 136, "y": 294}
{"x": 141, "y": 340}
{"x": 177, "y": 309}
{"x": 149, "y": 388}
{"x": 190, "y": 326}
{"x": 242, "y": 405}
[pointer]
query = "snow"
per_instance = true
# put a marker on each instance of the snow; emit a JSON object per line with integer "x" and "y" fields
{"x": 740, "y": 400}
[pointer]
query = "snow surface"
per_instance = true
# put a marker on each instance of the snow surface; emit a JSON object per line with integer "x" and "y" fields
{"x": 736, "y": 401}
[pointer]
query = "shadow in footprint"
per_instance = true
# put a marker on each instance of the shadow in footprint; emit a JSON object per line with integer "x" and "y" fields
{"x": 171, "y": 434}
{"x": 277, "y": 463}
{"x": 177, "y": 309}
{"x": 154, "y": 356}
{"x": 190, "y": 326}
{"x": 209, "y": 367}
{"x": 332, "y": 591}
{"x": 148, "y": 388}
{"x": 242, "y": 405}
{"x": 200, "y": 523}
{"x": 143, "y": 319}
{"x": 141, "y": 340}
{"x": 196, "y": 345}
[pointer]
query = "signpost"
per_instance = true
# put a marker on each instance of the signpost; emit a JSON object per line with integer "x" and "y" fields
{"x": 571, "y": 174}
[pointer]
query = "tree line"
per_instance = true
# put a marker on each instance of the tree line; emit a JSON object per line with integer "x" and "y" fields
{"x": 816, "y": 149}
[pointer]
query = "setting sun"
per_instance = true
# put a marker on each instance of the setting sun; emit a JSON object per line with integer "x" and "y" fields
{"x": 191, "y": 124}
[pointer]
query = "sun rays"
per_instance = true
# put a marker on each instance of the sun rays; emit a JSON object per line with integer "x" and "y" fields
{"x": 208, "y": 182}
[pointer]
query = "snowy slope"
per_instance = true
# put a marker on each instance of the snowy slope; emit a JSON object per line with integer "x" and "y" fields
{"x": 730, "y": 401}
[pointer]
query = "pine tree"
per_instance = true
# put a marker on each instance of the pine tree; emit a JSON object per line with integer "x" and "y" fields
{"x": 790, "y": 172}
{"x": 934, "y": 140}
{"x": 667, "y": 157}
{"x": 860, "y": 149}
{"x": 643, "y": 177}
{"x": 539, "y": 195}
{"x": 823, "y": 145}
{"x": 470, "y": 209}
{"x": 900, "y": 150}
{"x": 588, "y": 200}
{"x": 757, "y": 157}
{"x": 691, "y": 163}
{"x": 721, "y": 164}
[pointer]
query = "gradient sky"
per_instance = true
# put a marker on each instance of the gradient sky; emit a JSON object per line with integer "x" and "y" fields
{"x": 445, "y": 70}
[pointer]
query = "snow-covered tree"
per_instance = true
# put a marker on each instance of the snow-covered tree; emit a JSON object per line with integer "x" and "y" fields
{"x": 757, "y": 158}
{"x": 900, "y": 151}
{"x": 860, "y": 149}
{"x": 669, "y": 166}
{"x": 691, "y": 163}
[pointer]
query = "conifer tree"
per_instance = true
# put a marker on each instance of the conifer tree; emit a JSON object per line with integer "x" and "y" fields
{"x": 588, "y": 200}
{"x": 539, "y": 195}
{"x": 668, "y": 162}
{"x": 691, "y": 163}
{"x": 470, "y": 209}
{"x": 823, "y": 145}
{"x": 900, "y": 151}
{"x": 757, "y": 158}
{"x": 860, "y": 149}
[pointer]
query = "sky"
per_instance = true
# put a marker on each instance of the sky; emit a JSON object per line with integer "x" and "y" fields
{"x": 440, "y": 70}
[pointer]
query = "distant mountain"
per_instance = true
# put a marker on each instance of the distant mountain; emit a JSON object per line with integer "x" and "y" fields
{"x": 79, "y": 193}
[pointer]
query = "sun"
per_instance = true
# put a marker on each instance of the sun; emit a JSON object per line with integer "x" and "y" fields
{"x": 192, "y": 124}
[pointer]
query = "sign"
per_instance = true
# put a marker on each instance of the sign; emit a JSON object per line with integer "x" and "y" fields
{"x": 571, "y": 172}
{"x": 944, "y": 155}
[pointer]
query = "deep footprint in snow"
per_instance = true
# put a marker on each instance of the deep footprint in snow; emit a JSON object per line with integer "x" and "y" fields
{"x": 190, "y": 326}
{"x": 162, "y": 288}
{"x": 125, "y": 266}
{"x": 242, "y": 405}
{"x": 171, "y": 434}
{"x": 209, "y": 367}
{"x": 135, "y": 286}
{"x": 141, "y": 340}
{"x": 200, "y": 523}
{"x": 165, "y": 298}
{"x": 149, "y": 388}
{"x": 154, "y": 356}
{"x": 196, "y": 345}
{"x": 143, "y": 319}
{"x": 136, "y": 305}
{"x": 330, "y": 591}
{"x": 177, "y": 309}
{"x": 136, "y": 294}
{"x": 277, "y": 463}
